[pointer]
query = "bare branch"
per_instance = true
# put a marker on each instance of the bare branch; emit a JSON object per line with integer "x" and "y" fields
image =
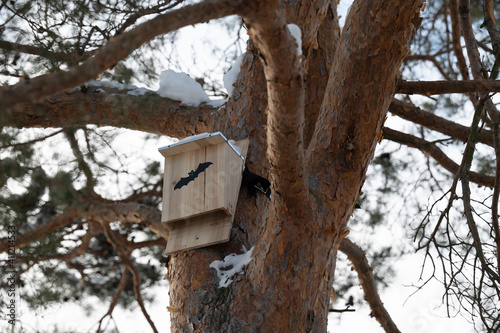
{"x": 105, "y": 212}
{"x": 479, "y": 73}
{"x": 59, "y": 221}
{"x": 99, "y": 106}
{"x": 283, "y": 71}
{"x": 456, "y": 34}
{"x": 464, "y": 178}
{"x": 70, "y": 135}
{"x": 358, "y": 258}
{"x": 491, "y": 25}
{"x": 123, "y": 252}
{"x": 429, "y": 88}
{"x": 58, "y": 56}
{"x": 416, "y": 115}
{"x": 137, "y": 292}
{"x": 436, "y": 153}
{"x": 435, "y": 62}
{"x": 144, "y": 12}
{"x": 93, "y": 229}
{"x": 341, "y": 310}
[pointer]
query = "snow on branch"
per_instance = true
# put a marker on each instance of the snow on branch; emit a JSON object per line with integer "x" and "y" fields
{"x": 181, "y": 87}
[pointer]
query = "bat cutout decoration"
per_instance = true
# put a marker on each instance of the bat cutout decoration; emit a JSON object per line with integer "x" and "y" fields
{"x": 192, "y": 175}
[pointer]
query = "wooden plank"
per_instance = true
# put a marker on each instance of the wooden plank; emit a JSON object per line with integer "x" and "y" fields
{"x": 201, "y": 231}
{"x": 236, "y": 173}
{"x": 215, "y": 179}
{"x": 189, "y": 199}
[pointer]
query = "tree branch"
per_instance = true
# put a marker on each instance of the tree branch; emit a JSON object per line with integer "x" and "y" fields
{"x": 479, "y": 73}
{"x": 102, "y": 212}
{"x": 285, "y": 89}
{"x": 347, "y": 128}
{"x": 490, "y": 23}
{"x": 58, "y": 56}
{"x": 456, "y": 35}
{"x": 318, "y": 63}
{"x": 82, "y": 164}
{"x": 144, "y": 12}
{"x": 429, "y": 88}
{"x": 358, "y": 258}
{"x": 119, "y": 243}
{"x": 464, "y": 179}
{"x": 106, "y": 212}
{"x": 105, "y": 106}
{"x": 93, "y": 229}
{"x": 116, "y": 296}
{"x": 491, "y": 26}
{"x": 59, "y": 221}
{"x": 416, "y": 115}
{"x": 435, "y": 62}
{"x": 119, "y": 48}
{"x": 437, "y": 154}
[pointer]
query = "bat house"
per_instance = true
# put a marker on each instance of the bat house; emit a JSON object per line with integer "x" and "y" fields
{"x": 201, "y": 184}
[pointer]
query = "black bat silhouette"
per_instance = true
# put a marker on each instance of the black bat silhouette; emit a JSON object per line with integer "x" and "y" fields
{"x": 192, "y": 175}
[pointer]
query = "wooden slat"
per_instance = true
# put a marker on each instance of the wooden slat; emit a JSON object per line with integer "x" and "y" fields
{"x": 201, "y": 231}
{"x": 190, "y": 199}
{"x": 236, "y": 172}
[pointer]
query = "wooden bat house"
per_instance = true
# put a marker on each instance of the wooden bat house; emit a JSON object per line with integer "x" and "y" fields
{"x": 201, "y": 184}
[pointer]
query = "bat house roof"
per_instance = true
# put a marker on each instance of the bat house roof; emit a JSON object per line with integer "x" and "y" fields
{"x": 196, "y": 142}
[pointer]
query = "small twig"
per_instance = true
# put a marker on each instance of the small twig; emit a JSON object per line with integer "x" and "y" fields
{"x": 341, "y": 310}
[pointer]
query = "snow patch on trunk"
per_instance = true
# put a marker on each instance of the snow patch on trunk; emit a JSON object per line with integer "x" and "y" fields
{"x": 297, "y": 34}
{"x": 232, "y": 75}
{"x": 231, "y": 265}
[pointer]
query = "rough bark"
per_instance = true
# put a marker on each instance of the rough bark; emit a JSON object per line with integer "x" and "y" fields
{"x": 110, "y": 107}
{"x": 429, "y": 88}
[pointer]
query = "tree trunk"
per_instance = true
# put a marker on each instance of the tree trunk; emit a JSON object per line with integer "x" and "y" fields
{"x": 287, "y": 285}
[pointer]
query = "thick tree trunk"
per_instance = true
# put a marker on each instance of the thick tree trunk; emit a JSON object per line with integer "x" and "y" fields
{"x": 287, "y": 285}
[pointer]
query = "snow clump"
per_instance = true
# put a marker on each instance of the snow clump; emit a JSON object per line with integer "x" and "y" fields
{"x": 232, "y": 75}
{"x": 181, "y": 87}
{"x": 295, "y": 32}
